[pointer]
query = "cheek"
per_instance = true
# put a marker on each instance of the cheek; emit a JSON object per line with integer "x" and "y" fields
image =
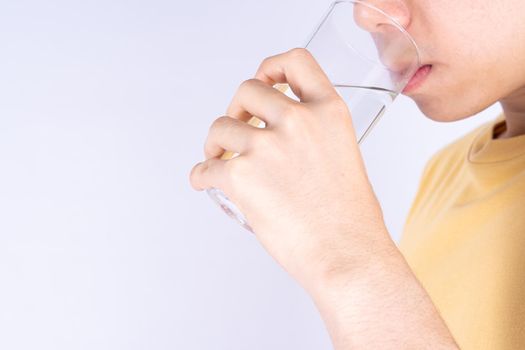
{"x": 472, "y": 59}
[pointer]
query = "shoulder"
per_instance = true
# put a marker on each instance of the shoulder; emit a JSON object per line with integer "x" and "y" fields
{"x": 444, "y": 167}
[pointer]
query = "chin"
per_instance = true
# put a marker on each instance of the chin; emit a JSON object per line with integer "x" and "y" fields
{"x": 438, "y": 111}
{"x": 445, "y": 109}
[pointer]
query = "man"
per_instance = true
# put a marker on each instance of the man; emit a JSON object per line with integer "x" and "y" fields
{"x": 457, "y": 279}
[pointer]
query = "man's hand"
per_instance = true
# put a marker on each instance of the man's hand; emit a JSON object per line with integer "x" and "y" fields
{"x": 300, "y": 181}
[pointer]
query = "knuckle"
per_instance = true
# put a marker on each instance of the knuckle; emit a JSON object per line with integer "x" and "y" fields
{"x": 219, "y": 123}
{"x": 290, "y": 123}
{"x": 234, "y": 173}
{"x": 293, "y": 109}
{"x": 222, "y": 120}
{"x": 193, "y": 176}
{"x": 260, "y": 142}
{"x": 247, "y": 84}
{"x": 293, "y": 114}
{"x": 338, "y": 106}
{"x": 300, "y": 52}
{"x": 265, "y": 62}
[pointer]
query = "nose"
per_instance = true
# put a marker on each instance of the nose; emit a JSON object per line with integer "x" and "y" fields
{"x": 373, "y": 21}
{"x": 394, "y": 50}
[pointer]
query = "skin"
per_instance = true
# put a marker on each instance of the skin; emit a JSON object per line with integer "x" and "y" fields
{"x": 305, "y": 167}
{"x": 476, "y": 50}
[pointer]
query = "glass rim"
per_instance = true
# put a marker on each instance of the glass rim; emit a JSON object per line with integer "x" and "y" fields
{"x": 361, "y": 2}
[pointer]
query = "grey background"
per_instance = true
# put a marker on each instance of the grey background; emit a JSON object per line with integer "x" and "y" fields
{"x": 104, "y": 108}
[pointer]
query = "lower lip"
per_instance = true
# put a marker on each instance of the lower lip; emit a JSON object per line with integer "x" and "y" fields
{"x": 418, "y": 78}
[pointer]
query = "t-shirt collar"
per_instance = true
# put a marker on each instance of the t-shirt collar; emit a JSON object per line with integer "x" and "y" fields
{"x": 485, "y": 149}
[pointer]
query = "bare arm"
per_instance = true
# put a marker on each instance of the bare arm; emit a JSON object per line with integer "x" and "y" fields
{"x": 379, "y": 304}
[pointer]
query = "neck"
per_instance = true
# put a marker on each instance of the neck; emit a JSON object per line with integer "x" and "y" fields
{"x": 514, "y": 111}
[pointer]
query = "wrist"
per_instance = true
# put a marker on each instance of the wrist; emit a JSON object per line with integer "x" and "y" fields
{"x": 352, "y": 259}
{"x": 341, "y": 273}
{"x": 378, "y": 303}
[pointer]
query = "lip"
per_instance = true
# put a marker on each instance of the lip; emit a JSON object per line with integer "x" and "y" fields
{"x": 418, "y": 78}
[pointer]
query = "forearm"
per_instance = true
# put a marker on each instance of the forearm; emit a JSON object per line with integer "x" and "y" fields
{"x": 379, "y": 305}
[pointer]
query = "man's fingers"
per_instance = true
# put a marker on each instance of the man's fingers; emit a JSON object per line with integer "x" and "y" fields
{"x": 230, "y": 134}
{"x": 210, "y": 173}
{"x": 256, "y": 98}
{"x": 301, "y": 71}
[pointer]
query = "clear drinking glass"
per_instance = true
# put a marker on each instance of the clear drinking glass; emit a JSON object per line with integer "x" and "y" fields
{"x": 368, "y": 57}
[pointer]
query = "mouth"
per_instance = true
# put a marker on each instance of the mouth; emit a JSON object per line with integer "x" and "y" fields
{"x": 418, "y": 78}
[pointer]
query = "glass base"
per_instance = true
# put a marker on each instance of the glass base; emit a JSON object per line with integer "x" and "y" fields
{"x": 229, "y": 208}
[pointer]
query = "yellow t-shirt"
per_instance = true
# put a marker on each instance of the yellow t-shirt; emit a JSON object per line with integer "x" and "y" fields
{"x": 464, "y": 237}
